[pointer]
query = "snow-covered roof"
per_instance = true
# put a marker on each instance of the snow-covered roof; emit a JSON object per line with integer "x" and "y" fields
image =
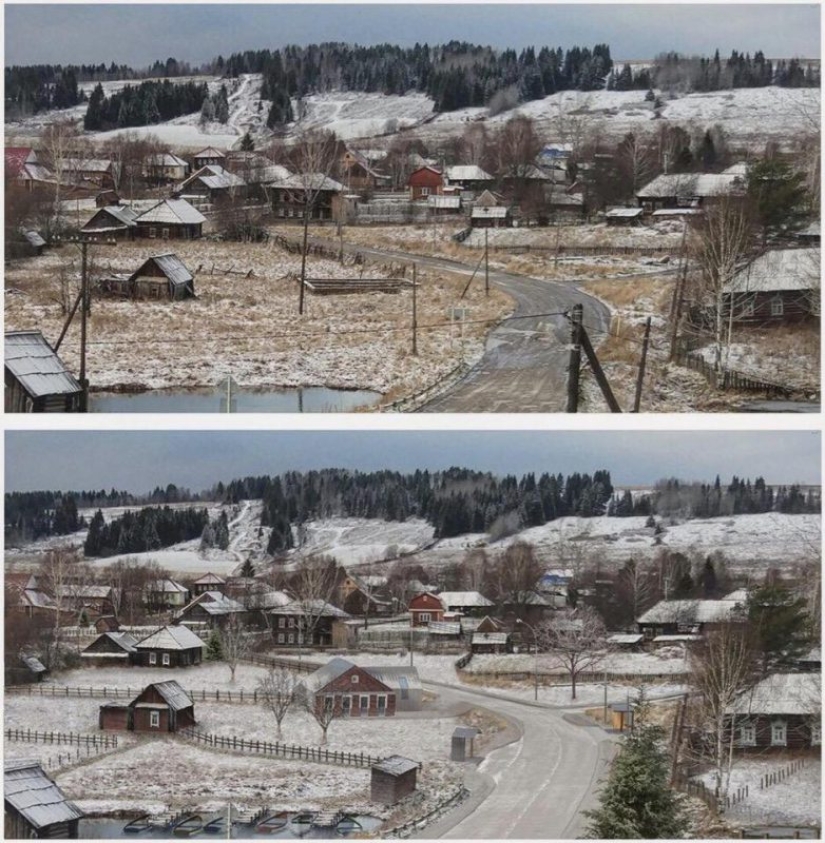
{"x": 31, "y": 793}
{"x": 490, "y": 637}
{"x": 689, "y": 185}
{"x": 308, "y": 181}
{"x": 166, "y": 159}
{"x": 174, "y": 212}
{"x": 813, "y": 655}
{"x": 812, "y": 230}
{"x": 395, "y": 765}
{"x": 122, "y": 214}
{"x": 90, "y": 592}
{"x": 34, "y": 238}
{"x": 529, "y": 173}
{"x": 170, "y": 638}
{"x": 740, "y": 168}
{"x": 444, "y": 628}
{"x": 215, "y": 603}
{"x": 123, "y": 640}
{"x": 35, "y": 172}
{"x": 210, "y": 579}
{"x": 166, "y": 586}
{"x": 36, "y": 366}
{"x": 397, "y": 678}
{"x": 320, "y": 678}
{"x": 678, "y": 212}
{"x": 209, "y": 152}
{"x": 178, "y": 275}
{"x": 526, "y": 598}
{"x": 782, "y": 693}
{"x": 740, "y": 595}
{"x": 435, "y": 201}
{"x": 494, "y": 213}
{"x": 36, "y": 599}
{"x": 625, "y": 638}
{"x": 690, "y": 611}
{"x": 463, "y": 599}
{"x": 622, "y": 213}
{"x": 87, "y": 165}
{"x": 215, "y": 178}
{"x": 304, "y": 607}
{"x": 467, "y": 172}
{"x": 779, "y": 270}
{"x": 33, "y": 664}
{"x": 676, "y": 639}
{"x": 173, "y": 694}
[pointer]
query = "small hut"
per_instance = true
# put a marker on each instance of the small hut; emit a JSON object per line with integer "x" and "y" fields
{"x": 461, "y": 748}
{"x": 34, "y": 806}
{"x": 162, "y": 277}
{"x": 393, "y": 779}
{"x": 158, "y": 708}
{"x": 36, "y": 379}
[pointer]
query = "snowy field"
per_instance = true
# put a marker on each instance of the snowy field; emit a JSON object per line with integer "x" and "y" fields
{"x": 248, "y": 327}
{"x": 795, "y": 801}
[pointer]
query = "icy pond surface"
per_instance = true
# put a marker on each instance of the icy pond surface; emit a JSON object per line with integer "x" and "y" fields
{"x": 297, "y": 400}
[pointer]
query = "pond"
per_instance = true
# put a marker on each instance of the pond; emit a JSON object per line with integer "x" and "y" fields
{"x": 316, "y": 399}
{"x": 107, "y": 828}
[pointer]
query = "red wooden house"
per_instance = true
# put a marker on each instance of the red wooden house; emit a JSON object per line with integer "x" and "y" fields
{"x": 425, "y": 608}
{"x": 158, "y": 708}
{"x": 424, "y": 182}
{"x": 350, "y": 690}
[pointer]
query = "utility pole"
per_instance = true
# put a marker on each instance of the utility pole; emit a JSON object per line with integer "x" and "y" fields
{"x": 414, "y": 313}
{"x": 575, "y": 359}
{"x": 486, "y": 265}
{"x": 676, "y": 303}
{"x": 598, "y": 372}
{"x": 642, "y": 363}
{"x": 304, "y": 257}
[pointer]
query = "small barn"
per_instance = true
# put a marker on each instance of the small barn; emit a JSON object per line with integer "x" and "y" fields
{"x": 171, "y": 646}
{"x": 116, "y": 221}
{"x": 211, "y": 183}
{"x": 34, "y": 807}
{"x": 36, "y": 379}
{"x": 496, "y": 216}
{"x": 170, "y": 219}
{"x": 393, "y": 779}
{"x": 468, "y": 177}
{"x": 159, "y": 708}
{"x": 687, "y": 617}
{"x": 425, "y": 181}
{"x": 424, "y": 608}
{"x": 469, "y": 603}
{"x": 162, "y": 277}
{"x": 623, "y": 216}
{"x": 211, "y": 609}
{"x": 111, "y": 648}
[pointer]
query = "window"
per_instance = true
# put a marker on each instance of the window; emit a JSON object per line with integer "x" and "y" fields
{"x": 329, "y": 703}
{"x": 777, "y": 307}
{"x": 816, "y": 734}
{"x": 153, "y": 232}
{"x": 165, "y": 233}
{"x": 425, "y": 191}
{"x": 154, "y": 720}
{"x": 153, "y": 658}
{"x": 281, "y": 622}
{"x": 346, "y": 705}
{"x": 779, "y": 733}
{"x": 364, "y": 706}
{"x": 166, "y": 659}
{"x": 747, "y": 309}
{"x": 281, "y": 638}
{"x": 382, "y": 704}
{"x": 424, "y": 617}
{"x": 354, "y": 680}
{"x": 291, "y": 638}
{"x": 292, "y": 623}
{"x": 747, "y": 735}
{"x": 405, "y": 687}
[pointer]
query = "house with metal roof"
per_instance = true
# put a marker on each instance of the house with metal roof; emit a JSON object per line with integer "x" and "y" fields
{"x": 95, "y": 172}
{"x": 159, "y": 708}
{"x": 290, "y": 622}
{"x": 465, "y": 602}
{"x": 393, "y": 779}
{"x": 209, "y": 582}
{"x": 491, "y": 642}
{"x": 358, "y": 171}
{"x": 688, "y": 617}
{"x": 34, "y": 806}
{"x": 210, "y": 609}
{"x": 291, "y": 194}
{"x": 467, "y": 177}
{"x": 165, "y": 168}
{"x": 165, "y": 594}
{"x": 36, "y": 379}
{"x": 170, "y": 219}
{"x": 111, "y": 648}
{"x": 117, "y": 221}
{"x": 211, "y": 183}
{"x": 23, "y": 166}
{"x": 170, "y": 646}
{"x": 210, "y": 155}
{"x": 692, "y": 190}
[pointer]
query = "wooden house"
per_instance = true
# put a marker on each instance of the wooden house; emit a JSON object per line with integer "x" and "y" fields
{"x": 782, "y": 712}
{"x": 623, "y": 216}
{"x": 350, "y": 690}
{"x": 159, "y": 708}
{"x": 425, "y": 608}
{"x": 162, "y": 277}
{"x": 209, "y": 582}
{"x": 468, "y": 177}
{"x": 166, "y": 168}
{"x": 210, "y": 609}
{"x": 111, "y": 648}
{"x": 291, "y": 621}
{"x": 34, "y": 807}
{"x": 207, "y": 156}
{"x": 491, "y": 642}
{"x": 93, "y": 173}
{"x": 211, "y": 183}
{"x": 359, "y": 172}
{"x": 688, "y": 190}
{"x": 425, "y": 181}
{"x": 36, "y": 379}
{"x": 444, "y": 204}
{"x": 115, "y": 221}
{"x": 465, "y": 603}
{"x": 290, "y": 195}
{"x": 170, "y": 219}
{"x": 688, "y": 617}
{"x": 780, "y": 287}
{"x": 171, "y": 646}
{"x": 165, "y": 594}
{"x": 392, "y": 779}
{"x": 23, "y": 167}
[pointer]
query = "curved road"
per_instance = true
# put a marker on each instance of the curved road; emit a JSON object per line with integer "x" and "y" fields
{"x": 524, "y": 367}
{"x": 535, "y": 788}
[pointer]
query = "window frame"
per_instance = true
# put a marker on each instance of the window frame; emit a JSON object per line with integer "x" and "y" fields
{"x": 154, "y": 720}
{"x": 782, "y": 738}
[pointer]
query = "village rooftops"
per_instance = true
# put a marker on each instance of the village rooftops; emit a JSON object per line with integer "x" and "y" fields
{"x": 308, "y": 181}
{"x": 310, "y": 607}
{"x": 782, "y": 693}
{"x": 463, "y": 599}
{"x": 166, "y": 159}
{"x": 215, "y": 178}
{"x": 36, "y": 366}
{"x": 173, "y": 694}
{"x": 174, "y": 212}
{"x": 170, "y": 638}
{"x": 688, "y": 185}
{"x": 122, "y": 640}
{"x": 780, "y": 269}
{"x": 393, "y": 677}
{"x": 490, "y": 638}
{"x": 215, "y": 603}
{"x": 210, "y": 152}
{"x": 122, "y": 215}
{"x": 467, "y": 172}
{"x": 691, "y": 612}
{"x": 166, "y": 586}
{"x": 87, "y": 165}
{"x": 28, "y": 790}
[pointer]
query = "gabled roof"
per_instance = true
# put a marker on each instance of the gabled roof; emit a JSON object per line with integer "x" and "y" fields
{"x": 166, "y": 159}
{"x": 36, "y": 599}
{"x": 28, "y": 790}
{"x": 122, "y": 640}
{"x": 397, "y": 678}
{"x": 174, "y": 270}
{"x": 779, "y": 270}
{"x": 166, "y": 586}
{"x": 782, "y": 693}
{"x": 36, "y": 366}
{"x": 87, "y": 165}
{"x": 210, "y": 152}
{"x": 334, "y": 668}
{"x": 463, "y": 599}
{"x": 33, "y": 664}
{"x": 395, "y": 765}
{"x": 214, "y": 177}
{"x": 172, "y": 212}
{"x": 324, "y": 610}
{"x": 691, "y": 185}
{"x": 121, "y": 214}
{"x": 33, "y": 238}
{"x": 210, "y": 579}
{"x": 18, "y": 156}
{"x": 170, "y": 638}
{"x": 691, "y": 611}
{"x": 467, "y": 172}
{"x": 308, "y": 181}
{"x": 214, "y": 603}
{"x": 172, "y": 693}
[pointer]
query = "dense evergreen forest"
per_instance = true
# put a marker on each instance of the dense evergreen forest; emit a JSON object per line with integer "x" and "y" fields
{"x": 455, "y": 75}
{"x": 143, "y": 105}
{"x": 150, "y": 528}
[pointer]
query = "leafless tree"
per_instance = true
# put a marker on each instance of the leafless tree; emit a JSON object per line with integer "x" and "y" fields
{"x": 58, "y": 141}
{"x": 721, "y": 667}
{"x": 236, "y": 643}
{"x": 578, "y": 643}
{"x": 723, "y": 243}
{"x": 637, "y": 159}
{"x": 513, "y": 577}
{"x": 637, "y": 587}
{"x": 278, "y": 690}
{"x": 313, "y": 585}
{"x": 57, "y": 574}
{"x": 129, "y": 579}
{"x": 323, "y": 711}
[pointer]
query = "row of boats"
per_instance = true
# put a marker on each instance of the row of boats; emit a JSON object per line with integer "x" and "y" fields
{"x": 264, "y": 822}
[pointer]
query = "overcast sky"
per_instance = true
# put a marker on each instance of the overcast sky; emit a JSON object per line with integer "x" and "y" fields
{"x": 138, "y": 34}
{"x": 137, "y": 461}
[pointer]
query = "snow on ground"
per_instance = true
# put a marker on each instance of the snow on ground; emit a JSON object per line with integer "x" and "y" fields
{"x": 353, "y": 541}
{"x": 248, "y": 327}
{"x": 795, "y": 801}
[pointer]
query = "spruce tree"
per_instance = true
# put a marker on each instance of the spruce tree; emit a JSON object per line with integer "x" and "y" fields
{"x": 214, "y": 647}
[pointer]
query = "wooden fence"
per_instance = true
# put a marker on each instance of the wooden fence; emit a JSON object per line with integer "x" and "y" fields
{"x": 417, "y": 400}
{"x": 697, "y": 789}
{"x": 237, "y": 696}
{"x": 779, "y": 776}
{"x": 59, "y": 738}
{"x": 290, "y": 752}
{"x": 729, "y": 378}
{"x": 587, "y": 251}
{"x": 445, "y": 804}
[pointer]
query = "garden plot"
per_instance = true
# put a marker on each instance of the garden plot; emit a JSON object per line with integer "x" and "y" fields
{"x": 247, "y": 327}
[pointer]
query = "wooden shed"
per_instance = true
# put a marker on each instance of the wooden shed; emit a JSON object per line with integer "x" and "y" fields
{"x": 34, "y": 806}
{"x": 393, "y": 779}
{"x": 117, "y": 221}
{"x": 162, "y": 277}
{"x": 111, "y": 648}
{"x": 160, "y": 707}
{"x": 461, "y": 746}
{"x": 36, "y": 379}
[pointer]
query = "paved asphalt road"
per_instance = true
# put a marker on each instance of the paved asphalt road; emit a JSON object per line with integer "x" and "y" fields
{"x": 524, "y": 367}
{"x": 534, "y": 788}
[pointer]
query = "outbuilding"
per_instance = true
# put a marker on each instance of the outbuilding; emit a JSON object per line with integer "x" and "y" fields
{"x": 393, "y": 779}
{"x": 36, "y": 379}
{"x": 461, "y": 747}
{"x": 159, "y": 708}
{"x": 34, "y": 806}
{"x": 116, "y": 221}
{"x": 159, "y": 277}
{"x": 425, "y": 181}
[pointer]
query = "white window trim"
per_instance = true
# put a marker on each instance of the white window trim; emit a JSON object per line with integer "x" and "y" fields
{"x": 153, "y": 658}
{"x": 425, "y": 191}
{"x": 424, "y": 617}
{"x": 777, "y": 307}
{"x": 780, "y": 739}
{"x": 382, "y": 698}
{"x": 291, "y": 639}
{"x": 816, "y": 734}
{"x": 354, "y": 680}
{"x": 747, "y": 735}
{"x": 165, "y": 659}
{"x": 154, "y": 720}
{"x": 281, "y": 638}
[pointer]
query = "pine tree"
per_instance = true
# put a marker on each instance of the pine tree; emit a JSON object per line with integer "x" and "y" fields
{"x": 248, "y": 569}
{"x": 247, "y": 144}
{"x": 214, "y": 648}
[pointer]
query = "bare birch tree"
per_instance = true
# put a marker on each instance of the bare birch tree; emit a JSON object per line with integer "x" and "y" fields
{"x": 236, "y": 643}
{"x": 278, "y": 690}
{"x": 314, "y": 584}
{"x": 56, "y": 575}
{"x": 57, "y": 142}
